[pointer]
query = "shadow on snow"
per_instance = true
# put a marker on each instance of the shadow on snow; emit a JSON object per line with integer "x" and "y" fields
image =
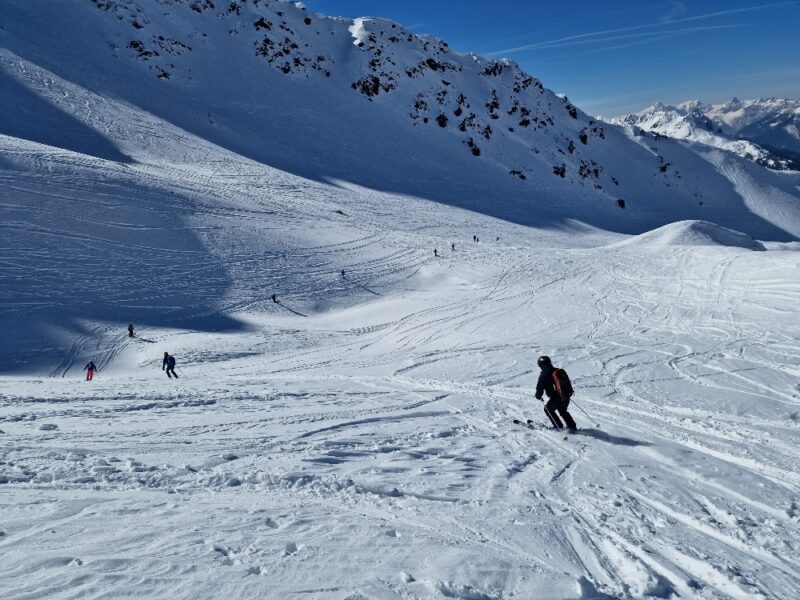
{"x": 612, "y": 439}
{"x": 28, "y": 116}
{"x": 78, "y": 258}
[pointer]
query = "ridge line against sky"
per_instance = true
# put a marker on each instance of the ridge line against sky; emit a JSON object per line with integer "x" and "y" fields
{"x": 617, "y": 57}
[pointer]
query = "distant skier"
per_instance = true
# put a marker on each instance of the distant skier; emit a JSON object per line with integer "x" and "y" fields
{"x": 453, "y": 246}
{"x": 274, "y": 298}
{"x": 90, "y": 369}
{"x": 556, "y": 384}
{"x": 130, "y": 330}
{"x": 168, "y": 364}
{"x": 343, "y": 275}
{"x": 474, "y": 238}
{"x": 435, "y": 252}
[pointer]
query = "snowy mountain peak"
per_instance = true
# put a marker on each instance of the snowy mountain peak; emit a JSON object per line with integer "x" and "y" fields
{"x": 763, "y": 130}
{"x": 733, "y": 102}
{"x": 691, "y": 105}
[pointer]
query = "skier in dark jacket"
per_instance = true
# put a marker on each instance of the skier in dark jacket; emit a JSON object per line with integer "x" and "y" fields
{"x": 90, "y": 369}
{"x": 130, "y": 329}
{"x": 555, "y": 403}
{"x": 168, "y": 364}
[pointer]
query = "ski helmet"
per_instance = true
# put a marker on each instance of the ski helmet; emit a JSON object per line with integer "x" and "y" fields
{"x": 544, "y": 362}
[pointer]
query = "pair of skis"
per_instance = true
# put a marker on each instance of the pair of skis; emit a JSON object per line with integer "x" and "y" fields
{"x": 531, "y": 424}
{"x": 536, "y": 426}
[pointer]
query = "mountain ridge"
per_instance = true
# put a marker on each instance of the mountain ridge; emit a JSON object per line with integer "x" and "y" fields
{"x": 764, "y": 130}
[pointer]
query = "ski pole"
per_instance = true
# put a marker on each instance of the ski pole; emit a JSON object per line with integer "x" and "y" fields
{"x": 596, "y": 424}
{"x": 550, "y": 416}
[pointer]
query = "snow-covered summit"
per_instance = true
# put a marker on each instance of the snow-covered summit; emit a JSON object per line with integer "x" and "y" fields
{"x": 739, "y": 114}
{"x": 763, "y": 130}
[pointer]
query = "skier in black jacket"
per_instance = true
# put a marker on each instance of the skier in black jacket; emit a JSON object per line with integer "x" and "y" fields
{"x": 555, "y": 403}
{"x": 168, "y": 364}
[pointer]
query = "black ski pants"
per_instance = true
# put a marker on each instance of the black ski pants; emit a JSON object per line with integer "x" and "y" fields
{"x": 558, "y": 406}
{"x": 171, "y": 370}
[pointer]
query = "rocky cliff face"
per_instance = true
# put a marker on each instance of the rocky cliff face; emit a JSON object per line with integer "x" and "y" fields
{"x": 483, "y": 103}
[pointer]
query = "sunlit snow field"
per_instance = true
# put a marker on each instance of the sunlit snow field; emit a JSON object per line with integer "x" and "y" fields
{"x": 355, "y": 439}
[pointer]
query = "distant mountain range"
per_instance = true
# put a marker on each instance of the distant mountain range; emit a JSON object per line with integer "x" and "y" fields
{"x": 766, "y": 131}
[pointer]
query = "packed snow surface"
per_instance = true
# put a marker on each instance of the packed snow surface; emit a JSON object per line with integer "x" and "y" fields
{"x": 353, "y": 439}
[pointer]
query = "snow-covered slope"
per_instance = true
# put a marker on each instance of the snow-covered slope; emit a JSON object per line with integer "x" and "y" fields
{"x": 693, "y": 233}
{"x": 149, "y": 92}
{"x": 765, "y": 131}
{"x": 353, "y": 439}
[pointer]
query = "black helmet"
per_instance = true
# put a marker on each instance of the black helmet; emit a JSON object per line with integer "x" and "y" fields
{"x": 544, "y": 362}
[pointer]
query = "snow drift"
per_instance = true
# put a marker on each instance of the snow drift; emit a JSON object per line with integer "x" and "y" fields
{"x": 693, "y": 233}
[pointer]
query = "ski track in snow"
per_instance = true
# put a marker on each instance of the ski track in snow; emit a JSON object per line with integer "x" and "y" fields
{"x": 355, "y": 439}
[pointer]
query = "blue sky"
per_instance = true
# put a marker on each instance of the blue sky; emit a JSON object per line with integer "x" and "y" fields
{"x": 617, "y": 56}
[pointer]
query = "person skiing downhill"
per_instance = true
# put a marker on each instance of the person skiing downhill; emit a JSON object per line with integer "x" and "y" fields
{"x": 168, "y": 364}
{"x": 556, "y": 404}
{"x": 90, "y": 368}
{"x": 130, "y": 330}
